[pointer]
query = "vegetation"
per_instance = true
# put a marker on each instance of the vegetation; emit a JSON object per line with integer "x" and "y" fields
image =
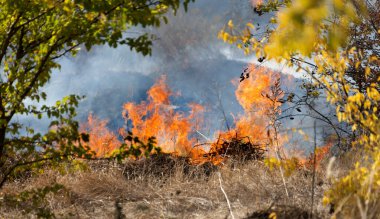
{"x": 336, "y": 43}
{"x": 166, "y": 187}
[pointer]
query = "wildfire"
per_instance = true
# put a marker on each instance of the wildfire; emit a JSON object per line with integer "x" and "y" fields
{"x": 320, "y": 153}
{"x": 250, "y": 94}
{"x": 175, "y": 130}
{"x": 251, "y": 135}
{"x": 102, "y": 140}
{"x": 252, "y": 124}
{"x": 158, "y": 117}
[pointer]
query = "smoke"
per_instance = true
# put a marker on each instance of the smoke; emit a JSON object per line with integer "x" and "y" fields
{"x": 187, "y": 50}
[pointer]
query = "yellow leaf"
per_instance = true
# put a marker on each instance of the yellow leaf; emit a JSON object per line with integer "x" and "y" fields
{"x": 250, "y": 26}
{"x": 230, "y": 24}
{"x": 367, "y": 71}
{"x": 225, "y": 36}
{"x": 273, "y": 215}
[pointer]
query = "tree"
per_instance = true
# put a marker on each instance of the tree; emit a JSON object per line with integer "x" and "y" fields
{"x": 336, "y": 43}
{"x": 34, "y": 34}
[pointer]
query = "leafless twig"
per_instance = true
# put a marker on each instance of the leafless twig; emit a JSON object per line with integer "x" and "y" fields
{"x": 225, "y": 195}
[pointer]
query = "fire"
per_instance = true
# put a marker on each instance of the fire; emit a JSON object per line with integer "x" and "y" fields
{"x": 158, "y": 117}
{"x": 175, "y": 130}
{"x": 256, "y": 2}
{"x": 308, "y": 161}
{"x": 102, "y": 140}
{"x": 320, "y": 153}
{"x": 252, "y": 125}
{"x": 250, "y": 93}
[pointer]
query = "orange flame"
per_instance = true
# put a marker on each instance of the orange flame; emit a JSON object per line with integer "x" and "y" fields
{"x": 102, "y": 140}
{"x": 320, "y": 154}
{"x": 157, "y": 117}
{"x": 174, "y": 130}
{"x": 256, "y": 2}
{"x": 250, "y": 94}
{"x": 253, "y": 123}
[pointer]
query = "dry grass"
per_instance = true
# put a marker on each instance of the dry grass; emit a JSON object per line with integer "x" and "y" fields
{"x": 174, "y": 190}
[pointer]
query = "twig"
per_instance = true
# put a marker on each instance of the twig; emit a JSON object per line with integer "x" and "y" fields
{"x": 201, "y": 144}
{"x": 225, "y": 195}
{"x": 204, "y": 136}
{"x": 228, "y": 147}
{"x": 314, "y": 168}
{"x": 282, "y": 174}
{"x": 223, "y": 112}
{"x": 277, "y": 152}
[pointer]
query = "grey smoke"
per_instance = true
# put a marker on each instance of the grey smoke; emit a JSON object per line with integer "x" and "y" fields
{"x": 187, "y": 50}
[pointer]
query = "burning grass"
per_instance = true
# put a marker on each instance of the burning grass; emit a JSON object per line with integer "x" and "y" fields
{"x": 236, "y": 148}
{"x": 158, "y": 117}
{"x": 183, "y": 181}
{"x": 176, "y": 131}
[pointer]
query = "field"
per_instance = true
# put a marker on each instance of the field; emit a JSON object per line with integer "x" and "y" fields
{"x": 167, "y": 187}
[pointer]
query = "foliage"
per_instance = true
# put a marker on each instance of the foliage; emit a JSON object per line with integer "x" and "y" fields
{"x": 136, "y": 148}
{"x": 289, "y": 165}
{"x": 334, "y": 42}
{"x": 60, "y": 142}
{"x": 358, "y": 193}
{"x": 33, "y": 36}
